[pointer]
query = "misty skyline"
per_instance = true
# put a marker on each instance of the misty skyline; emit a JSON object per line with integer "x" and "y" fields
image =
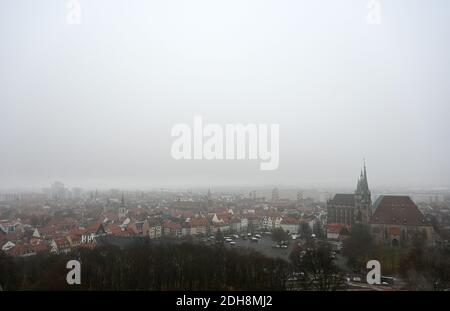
{"x": 93, "y": 105}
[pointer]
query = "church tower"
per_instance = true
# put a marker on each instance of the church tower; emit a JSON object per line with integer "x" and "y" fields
{"x": 363, "y": 201}
{"x": 122, "y": 209}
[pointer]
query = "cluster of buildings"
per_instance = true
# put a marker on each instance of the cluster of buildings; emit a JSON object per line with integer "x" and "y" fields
{"x": 64, "y": 227}
{"x": 393, "y": 220}
{"x": 61, "y": 220}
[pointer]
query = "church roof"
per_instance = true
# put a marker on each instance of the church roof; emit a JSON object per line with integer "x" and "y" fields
{"x": 344, "y": 199}
{"x": 397, "y": 210}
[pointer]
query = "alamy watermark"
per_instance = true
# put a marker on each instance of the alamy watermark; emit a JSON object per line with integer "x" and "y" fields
{"x": 374, "y": 15}
{"x": 374, "y": 275}
{"x": 73, "y": 16}
{"x": 213, "y": 141}
{"x": 74, "y": 275}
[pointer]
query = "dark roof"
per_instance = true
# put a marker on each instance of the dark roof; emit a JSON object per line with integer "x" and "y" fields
{"x": 344, "y": 199}
{"x": 397, "y": 210}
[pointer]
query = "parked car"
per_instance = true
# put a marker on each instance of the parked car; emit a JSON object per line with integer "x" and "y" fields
{"x": 388, "y": 280}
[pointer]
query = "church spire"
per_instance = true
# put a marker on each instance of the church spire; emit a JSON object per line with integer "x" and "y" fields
{"x": 366, "y": 184}
{"x": 363, "y": 184}
{"x": 365, "y": 172}
{"x": 363, "y": 197}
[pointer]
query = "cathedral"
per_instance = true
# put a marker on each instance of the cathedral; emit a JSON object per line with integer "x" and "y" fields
{"x": 393, "y": 220}
{"x": 347, "y": 209}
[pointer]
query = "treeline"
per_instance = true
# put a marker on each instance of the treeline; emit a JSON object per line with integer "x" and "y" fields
{"x": 421, "y": 267}
{"x": 426, "y": 268}
{"x": 315, "y": 268}
{"x": 148, "y": 266}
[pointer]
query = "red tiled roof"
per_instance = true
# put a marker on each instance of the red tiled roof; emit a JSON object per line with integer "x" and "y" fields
{"x": 11, "y": 236}
{"x": 198, "y": 222}
{"x": 41, "y": 248}
{"x": 118, "y": 231}
{"x": 20, "y": 249}
{"x": 397, "y": 210}
{"x": 224, "y": 216}
{"x": 344, "y": 199}
{"x": 252, "y": 216}
{"x": 171, "y": 225}
{"x": 272, "y": 214}
{"x": 75, "y": 238}
{"x": 88, "y": 245}
{"x": 94, "y": 228}
{"x": 62, "y": 243}
{"x": 78, "y": 232}
{"x": 47, "y": 230}
{"x": 334, "y": 228}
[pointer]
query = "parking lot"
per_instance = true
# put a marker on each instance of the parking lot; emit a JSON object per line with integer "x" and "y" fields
{"x": 265, "y": 246}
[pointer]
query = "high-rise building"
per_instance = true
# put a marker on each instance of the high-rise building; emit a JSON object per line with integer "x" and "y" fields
{"x": 123, "y": 208}
{"x": 275, "y": 194}
{"x": 58, "y": 190}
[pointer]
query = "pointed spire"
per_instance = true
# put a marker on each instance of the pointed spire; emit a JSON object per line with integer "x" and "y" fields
{"x": 123, "y": 200}
{"x": 365, "y": 172}
{"x": 365, "y": 183}
{"x": 358, "y": 185}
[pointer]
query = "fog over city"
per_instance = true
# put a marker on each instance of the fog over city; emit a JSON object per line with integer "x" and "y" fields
{"x": 93, "y": 104}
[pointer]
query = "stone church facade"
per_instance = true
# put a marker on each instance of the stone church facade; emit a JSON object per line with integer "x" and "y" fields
{"x": 348, "y": 209}
{"x": 392, "y": 220}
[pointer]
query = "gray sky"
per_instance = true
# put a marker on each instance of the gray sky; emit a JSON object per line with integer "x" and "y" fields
{"x": 93, "y": 104}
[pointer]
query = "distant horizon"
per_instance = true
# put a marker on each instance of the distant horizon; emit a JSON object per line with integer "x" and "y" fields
{"x": 223, "y": 187}
{"x": 93, "y": 102}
